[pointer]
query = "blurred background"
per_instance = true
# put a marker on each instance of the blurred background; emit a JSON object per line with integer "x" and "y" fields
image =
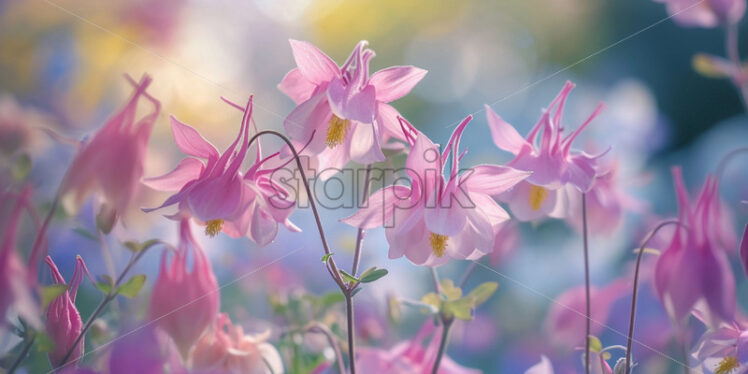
{"x": 62, "y": 63}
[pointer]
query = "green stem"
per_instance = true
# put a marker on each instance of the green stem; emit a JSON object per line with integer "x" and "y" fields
{"x": 447, "y": 326}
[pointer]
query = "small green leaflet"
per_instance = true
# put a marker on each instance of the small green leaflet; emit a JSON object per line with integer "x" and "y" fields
{"x": 480, "y": 294}
{"x": 347, "y": 277}
{"x": 326, "y": 257}
{"x": 105, "y": 286}
{"x": 136, "y": 247}
{"x": 50, "y": 293}
{"x": 132, "y": 287}
{"x": 373, "y": 274}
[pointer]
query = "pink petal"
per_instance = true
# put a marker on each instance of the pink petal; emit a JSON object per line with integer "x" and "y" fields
{"x": 187, "y": 170}
{"x": 365, "y": 144}
{"x": 504, "y": 135}
{"x": 309, "y": 116}
{"x": 446, "y": 218}
{"x": 380, "y": 207}
{"x": 395, "y": 82}
{"x": 350, "y": 102}
{"x": 190, "y": 142}
{"x": 580, "y": 172}
{"x": 424, "y": 166}
{"x": 490, "y": 210}
{"x": 262, "y": 228}
{"x": 519, "y": 202}
{"x": 314, "y": 64}
{"x": 296, "y": 86}
{"x": 387, "y": 120}
{"x": 492, "y": 179}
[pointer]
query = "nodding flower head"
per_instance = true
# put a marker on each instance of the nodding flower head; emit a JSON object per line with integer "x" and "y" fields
{"x": 342, "y": 112}
{"x": 64, "y": 323}
{"x": 111, "y": 163}
{"x": 185, "y": 302}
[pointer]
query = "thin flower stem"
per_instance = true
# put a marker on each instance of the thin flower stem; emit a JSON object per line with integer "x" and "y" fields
{"x": 447, "y": 326}
{"x": 351, "y": 332}
{"x": 731, "y": 44}
{"x": 586, "y": 285}
{"x": 40, "y": 239}
{"x": 22, "y": 355}
{"x": 635, "y": 290}
{"x": 435, "y": 278}
{"x": 100, "y": 308}
{"x": 361, "y": 232}
{"x": 322, "y": 329}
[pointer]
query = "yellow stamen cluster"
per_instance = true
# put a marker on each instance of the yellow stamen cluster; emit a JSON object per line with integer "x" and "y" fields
{"x": 537, "y": 196}
{"x": 337, "y": 130}
{"x": 438, "y": 244}
{"x": 213, "y": 227}
{"x": 727, "y": 365}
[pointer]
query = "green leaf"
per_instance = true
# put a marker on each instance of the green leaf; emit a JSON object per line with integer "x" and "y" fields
{"x": 132, "y": 287}
{"x": 483, "y": 292}
{"x": 431, "y": 299}
{"x": 357, "y": 290}
{"x": 393, "y": 309}
{"x": 450, "y": 291}
{"x": 106, "y": 285}
{"x": 460, "y": 309}
{"x": 373, "y": 274}
{"x": 347, "y": 277}
{"x": 44, "y": 343}
{"x": 326, "y": 257}
{"x": 50, "y": 293}
{"x": 648, "y": 251}
{"x": 21, "y": 167}
{"x": 136, "y": 247}
{"x": 595, "y": 344}
{"x": 85, "y": 233}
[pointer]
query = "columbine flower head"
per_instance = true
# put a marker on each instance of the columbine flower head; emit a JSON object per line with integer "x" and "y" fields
{"x": 342, "y": 110}
{"x": 439, "y": 217}
{"x": 185, "y": 302}
{"x": 216, "y": 193}
{"x": 694, "y": 268}
{"x": 723, "y": 350}
{"x": 226, "y": 349}
{"x": 705, "y": 13}
{"x": 111, "y": 163}
{"x": 64, "y": 323}
{"x": 412, "y": 356}
{"x": 552, "y": 162}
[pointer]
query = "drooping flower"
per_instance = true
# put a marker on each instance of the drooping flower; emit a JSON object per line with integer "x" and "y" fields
{"x": 342, "y": 110}
{"x": 410, "y": 357}
{"x": 705, "y": 13}
{"x": 185, "y": 302}
{"x": 439, "y": 217}
{"x": 216, "y": 193}
{"x": 64, "y": 322}
{"x": 542, "y": 367}
{"x": 16, "y": 281}
{"x": 694, "y": 268}
{"x": 723, "y": 350}
{"x": 552, "y": 162}
{"x": 226, "y": 349}
{"x": 111, "y": 163}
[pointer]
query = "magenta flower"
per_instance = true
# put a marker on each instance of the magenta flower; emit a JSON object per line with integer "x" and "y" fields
{"x": 111, "y": 163}
{"x": 705, "y": 13}
{"x": 345, "y": 110}
{"x": 16, "y": 280}
{"x": 694, "y": 267}
{"x": 723, "y": 350}
{"x": 216, "y": 193}
{"x": 552, "y": 162}
{"x": 185, "y": 303}
{"x": 437, "y": 218}
{"x": 154, "y": 350}
{"x": 64, "y": 323}
{"x": 410, "y": 357}
{"x": 227, "y": 349}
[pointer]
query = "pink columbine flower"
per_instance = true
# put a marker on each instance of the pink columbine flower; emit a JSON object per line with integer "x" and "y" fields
{"x": 185, "y": 303}
{"x": 439, "y": 217}
{"x": 111, "y": 163}
{"x": 542, "y": 367}
{"x": 144, "y": 349}
{"x": 345, "y": 110}
{"x": 552, "y": 162}
{"x": 410, "y": 357}
{"x": 216, "y": 193}
{"x": 694, "y": 268}
{"x": 723, "y": 350}
{"x": 16, "y": 280}
{"x": 227, "y": 349}
{"x": 705, "y": 13}
{"x": 64, "y": 323}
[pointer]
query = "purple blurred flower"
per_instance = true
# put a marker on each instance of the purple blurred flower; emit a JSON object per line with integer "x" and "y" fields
{"x": 705, "y": 13}
{"x": 144, "y": 350}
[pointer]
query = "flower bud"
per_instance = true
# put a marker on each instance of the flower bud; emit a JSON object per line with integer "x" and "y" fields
{"x": 64, "y": 323}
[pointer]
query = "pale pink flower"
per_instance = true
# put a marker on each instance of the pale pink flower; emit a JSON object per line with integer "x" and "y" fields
{"x": 694, "y": 268}
{"x": 705, "y": 13}
{"x": 227, "y": 349}
{"x": 342, "y": 108}
{"x": 64, "y": 323}
{"x": 110, "y": 164}
{"x": 439, "y": 217}
{"x": 506, "y": 241}
{"x": 413, "y": 356}
{"x": 542, "y": 367}
{"x": 723, "y": 350}
{"x": 552, "y": 162}
{"x": 185, "y": 303}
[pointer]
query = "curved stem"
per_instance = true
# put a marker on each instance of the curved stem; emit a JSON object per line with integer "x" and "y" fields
{"x": 22, "y": 355}
{"x": 586, "y": 285}
{"x": 100, "y": 308}
{"x": 322, "y": 329}
{"x": 639, "y": 256}
{"x": 442, "y": 344}
{"x": 731, "y": 45}
{"x": 361, "y": 232}
{"x": 351, "y": 333}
